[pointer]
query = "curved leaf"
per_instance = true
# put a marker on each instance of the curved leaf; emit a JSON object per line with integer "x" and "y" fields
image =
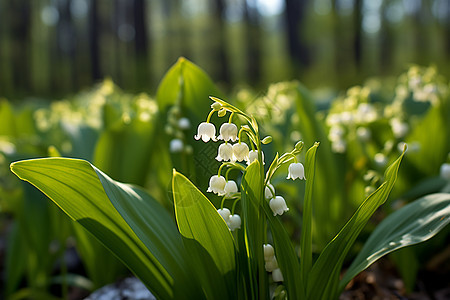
{"x": 207, "y": 239}
{"x": 412, "y": 224}
{"x": 83, "y": 192}
{"x": 324, "y": 276}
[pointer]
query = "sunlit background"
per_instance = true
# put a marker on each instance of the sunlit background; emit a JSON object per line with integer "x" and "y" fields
{"x": 55, "y": 47}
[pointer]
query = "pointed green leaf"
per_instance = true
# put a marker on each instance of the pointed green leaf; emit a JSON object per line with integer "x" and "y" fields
{"x": 207, "y": 239}
{"x": 324, "y": 276}
{"x": 306, "y": 235}
{"x": 412, "y": 224}
{"x": 82, "y": 192}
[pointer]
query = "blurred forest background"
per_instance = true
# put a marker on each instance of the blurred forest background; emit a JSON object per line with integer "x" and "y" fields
{"x": 55, "y": 47}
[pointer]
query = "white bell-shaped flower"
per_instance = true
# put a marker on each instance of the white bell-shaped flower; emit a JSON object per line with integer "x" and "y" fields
{"x": 277, "y": 276}
{"x": 217, "y": 185}
{"x": 176, "y": 146}
{"x": 269, "y": 192}
{"x": 230, "y": 188}
{"x": 269, "y": 252}
{"x": 444, "y": 171}
{"x": 240, "y": 152}
{"x": 271, "y": 264}
{"x": 253, "y": 155}
{"x": 278, "y": 205}
{"x": 224, "y": 213}
{"x": 296, "y": 170}
{"x": 225, "y": 152}
{"x": 234, "y": 222}
{"x": 228, "y": 131}
{"x": 184, "y": 123}
{"x": 206, "y": 131}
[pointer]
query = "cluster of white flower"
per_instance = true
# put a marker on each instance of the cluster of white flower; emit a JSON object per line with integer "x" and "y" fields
{"x": 231, "y": 155}
{"x": 176, "y": 127}
{"x": 271, "y": 264}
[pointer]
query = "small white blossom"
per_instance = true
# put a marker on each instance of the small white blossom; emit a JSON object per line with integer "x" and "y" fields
{"x": 277, "y": 276}
{"x": 380, "y": 159}
{"x": 228, "y": 131}
{"x": 269, "y": 252}
{"x": 445, "y": 171}
{"x": 296, "y": 170}
{"x": 234, "y": 222}
{"x": 176, "y": 145}
{"x": 278, "y": 205}
{"x": 230, "y": 188}
{"x": 363, "y": 133}
{"x": 184, "y": 123}
{"x": 206, "y": 131}
{"x": 225, "y": 152}
{"x": 269, "y": 192}
{"x": 339, "y": 146}
{"x": 217, "y": 185}
{"x": 240, "y": 152}
{"x": 399, "y": 129}
{"x": 253, "y": 155}
{"x": 224, "y": 213}
{"x": 271, "y": 264}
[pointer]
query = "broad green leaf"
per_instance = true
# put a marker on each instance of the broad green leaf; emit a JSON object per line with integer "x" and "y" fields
{"x": 184, "y": 92}
{"x": 324, "y": 276}
{"x": 207, "y": 239}
{"x": 77, "y": 188}
{"x": 254, "y": 235}
{"x": 306, "y": 233}
{"x": 412, "y": 224}
{"x": 330, "y": 210}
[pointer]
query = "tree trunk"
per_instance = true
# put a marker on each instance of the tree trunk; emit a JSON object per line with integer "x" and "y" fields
{"x": 94, "y": 29}
{"x": 253, "y": 37}
{"x": 220, "y": 51}
{"x": 141, "y": 43}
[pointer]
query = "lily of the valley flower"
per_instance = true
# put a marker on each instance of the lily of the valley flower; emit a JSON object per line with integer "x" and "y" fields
{"x": 176, "y": 146}
{"x": 253, "y": 155}
{"x": 217, "y": 185}
{"x": 296, "y": 170}
{"x": 277, "y": 276}
{"x": 445, "y": 171}
{"x": 224, "y": 213}
{"x": 278, "y": 205}
{"x": 225, "y": 152}
{"x": 269, "y": 252}
{"x": 228, "y": 131}
{"x": 269, "y": 192}
{"x": 240, "y": 152}
{"x": 230, "y": 188}
{"x": 271, "y": 264}
{"x": 234, "y": 222}
{"x": 206, "y": 131}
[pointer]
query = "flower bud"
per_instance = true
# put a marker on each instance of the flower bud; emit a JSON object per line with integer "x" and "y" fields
{"x": 299, "y": 146}
{"x": 253, "y": 155}
{"x": 269, "y": 192}
{"x": 216, "y": 106}
{"x": 266, "y": 140}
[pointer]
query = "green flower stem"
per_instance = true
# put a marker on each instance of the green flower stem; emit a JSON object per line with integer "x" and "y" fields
{"x": 210, "y": 115}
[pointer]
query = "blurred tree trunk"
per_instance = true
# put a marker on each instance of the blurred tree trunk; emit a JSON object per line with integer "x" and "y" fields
{"x": 20, "y": 17}
{"x": 94, "y": 28}
{"x": 141, "y": 43}
{"x": 386, "y": 43}
{"x": 220, "y": 51}
{"x": 66, "y": 48}
{"x": 358, "y": 34}
{"x": 253, "y": 38}
{"x": 339, "y": 50}
{"x": 295, "y": 13}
